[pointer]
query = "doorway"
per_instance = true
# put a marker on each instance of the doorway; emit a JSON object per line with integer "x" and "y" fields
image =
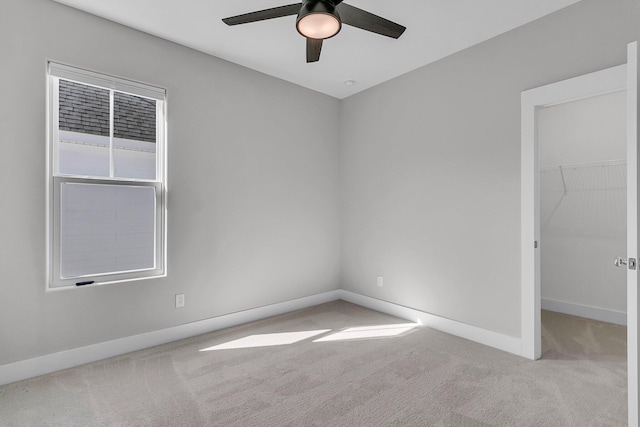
{"x": 609, "y": 81}
{"x": 582, "y": 181}
{"x": 582, "y": 175}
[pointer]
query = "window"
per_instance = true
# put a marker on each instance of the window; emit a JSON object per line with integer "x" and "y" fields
{"x": 106, "y": 179}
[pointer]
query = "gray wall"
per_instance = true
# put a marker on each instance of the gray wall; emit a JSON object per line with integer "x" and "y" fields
{"x": 253, "y": 196}
{"x": 431, "y": 165}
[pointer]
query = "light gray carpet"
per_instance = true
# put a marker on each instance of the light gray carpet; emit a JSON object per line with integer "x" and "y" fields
{"x": 420, "y": 378}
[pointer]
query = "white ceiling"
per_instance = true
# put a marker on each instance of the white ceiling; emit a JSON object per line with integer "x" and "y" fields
{"x": 435, "y": 29}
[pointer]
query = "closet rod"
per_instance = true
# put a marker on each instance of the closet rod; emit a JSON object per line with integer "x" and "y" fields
{"x": 604, "y": 163}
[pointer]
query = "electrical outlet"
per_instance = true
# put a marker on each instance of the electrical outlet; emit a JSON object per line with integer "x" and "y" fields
{"x": 380, "y": 281}
{"x": 179, "y": 300}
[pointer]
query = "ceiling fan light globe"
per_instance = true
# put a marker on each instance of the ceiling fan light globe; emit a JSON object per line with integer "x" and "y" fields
{"x": 319, "y": 25}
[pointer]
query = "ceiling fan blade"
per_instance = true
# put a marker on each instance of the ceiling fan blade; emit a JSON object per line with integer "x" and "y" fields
{"x": 314, "y": 46}
{"x": 368, "y": 21}
{"x": 261, "y": 15}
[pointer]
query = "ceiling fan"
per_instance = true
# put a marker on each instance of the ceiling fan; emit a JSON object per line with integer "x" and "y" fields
{"x": 321, "y": 19}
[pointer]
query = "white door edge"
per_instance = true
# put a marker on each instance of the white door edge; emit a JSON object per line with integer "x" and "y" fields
{"x": 632, "y": 230}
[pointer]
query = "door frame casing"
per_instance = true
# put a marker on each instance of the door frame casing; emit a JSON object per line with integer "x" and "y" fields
{"x": 589, "y": 85}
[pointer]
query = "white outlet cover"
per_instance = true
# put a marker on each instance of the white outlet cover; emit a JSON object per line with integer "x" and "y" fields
{"x": 380, "y": 281}
{"x": 179, "y": 300}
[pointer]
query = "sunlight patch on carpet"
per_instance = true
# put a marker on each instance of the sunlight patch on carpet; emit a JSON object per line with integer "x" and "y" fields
{"x": 361, "y": 332}
{"x": 267, "y": 340}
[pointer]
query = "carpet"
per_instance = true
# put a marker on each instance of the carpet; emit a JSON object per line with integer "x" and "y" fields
{"x": 338, "y": 364}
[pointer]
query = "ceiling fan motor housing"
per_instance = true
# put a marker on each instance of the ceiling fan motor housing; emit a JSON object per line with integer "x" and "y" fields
{"x": 319, "y": 19}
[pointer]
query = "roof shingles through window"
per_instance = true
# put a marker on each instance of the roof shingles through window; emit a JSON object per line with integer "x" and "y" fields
{"x": 85, "y": 109}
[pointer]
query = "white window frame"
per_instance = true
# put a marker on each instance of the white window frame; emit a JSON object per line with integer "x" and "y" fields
{"x": 55, "y": 179}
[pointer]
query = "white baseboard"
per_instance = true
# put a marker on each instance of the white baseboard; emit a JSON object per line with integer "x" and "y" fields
{"x": 473, "y": 333}
{"x": 595, "y": 313}
{"x": 21, "y": 370}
